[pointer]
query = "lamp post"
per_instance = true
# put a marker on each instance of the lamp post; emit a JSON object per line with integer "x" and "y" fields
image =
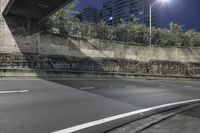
{"x": 150, "y": 17}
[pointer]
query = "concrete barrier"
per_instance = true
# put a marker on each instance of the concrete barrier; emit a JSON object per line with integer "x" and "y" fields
{"x": 23, "y": 46}
{"x": 50, "y": 65}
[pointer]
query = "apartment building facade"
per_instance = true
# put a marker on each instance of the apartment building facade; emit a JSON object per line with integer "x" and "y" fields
{"x": 107, "y": 12}
{"x": 114, "y": 11}
{"x": 90, "y": 14}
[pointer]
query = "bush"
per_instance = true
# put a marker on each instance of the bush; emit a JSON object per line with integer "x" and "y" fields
{"x": 127, "y": 32}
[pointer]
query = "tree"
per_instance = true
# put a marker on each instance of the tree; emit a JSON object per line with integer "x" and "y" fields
{"x": 63, "y": 17}
{"x": 177, "y": 34}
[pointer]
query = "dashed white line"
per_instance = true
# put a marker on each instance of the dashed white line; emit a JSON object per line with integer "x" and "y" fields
{"x": 187, "y": 86}
{"x": 112, "y": 118}
{"x": 86, "y": 88}
{"x": 19, "y": 91}
{"x": 163, "y": 86}
{"x": 130, "y": 86}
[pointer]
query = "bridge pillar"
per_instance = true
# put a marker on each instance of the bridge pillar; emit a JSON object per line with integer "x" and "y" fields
{"x": 8, "y": 43}
{"x": 19, "y": 23}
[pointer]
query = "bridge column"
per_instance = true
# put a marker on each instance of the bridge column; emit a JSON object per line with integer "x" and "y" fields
{"x": 19, "y": 29}
{"x": 8, "y": 43}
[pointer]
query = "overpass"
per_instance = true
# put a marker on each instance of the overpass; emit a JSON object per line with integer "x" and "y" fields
{"x": 19, "y": 16}
{"x": 35, "y": 9}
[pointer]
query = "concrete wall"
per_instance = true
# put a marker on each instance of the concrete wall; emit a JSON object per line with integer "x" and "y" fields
{"x": 100, "y": 65}
{"x": 58, "y": 45}
{"x": 52, "y": 44}
{"x": 8, "y": 43}
{"x": 23, "y": 46}
{"x": 23, "y": 35}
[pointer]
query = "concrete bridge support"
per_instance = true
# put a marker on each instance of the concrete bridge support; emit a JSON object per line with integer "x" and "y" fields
{"x": 16, "y": 16}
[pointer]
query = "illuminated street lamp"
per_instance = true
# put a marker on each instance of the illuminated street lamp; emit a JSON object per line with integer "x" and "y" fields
{"x": 150, "y": 16}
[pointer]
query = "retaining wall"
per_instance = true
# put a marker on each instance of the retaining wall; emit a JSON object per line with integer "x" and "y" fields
{"x": 24, "y": 46}
{"x": 101, "y": 65}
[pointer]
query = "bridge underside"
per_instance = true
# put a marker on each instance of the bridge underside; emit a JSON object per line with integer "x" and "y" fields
{"x": 19, "y": 27}
{"x": 34, "y": 9}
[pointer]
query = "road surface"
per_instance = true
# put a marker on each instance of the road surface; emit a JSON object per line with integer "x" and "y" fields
{"x": 42, "y": 106}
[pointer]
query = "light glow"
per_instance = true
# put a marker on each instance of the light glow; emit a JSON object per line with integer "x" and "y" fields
{"x": 164, "y": 1}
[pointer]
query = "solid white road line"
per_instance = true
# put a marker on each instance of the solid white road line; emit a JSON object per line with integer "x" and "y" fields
{"x": 112, "y": 118}
{"x": 20, "y": 91}
{"x": 87, "y": 88}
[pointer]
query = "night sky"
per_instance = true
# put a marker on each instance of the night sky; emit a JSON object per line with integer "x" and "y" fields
{"x": 184, "y": 12}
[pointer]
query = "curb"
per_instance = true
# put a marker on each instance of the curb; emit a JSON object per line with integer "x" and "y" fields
{"x": 157, "y": 119}
{"x": 49, "y": 73}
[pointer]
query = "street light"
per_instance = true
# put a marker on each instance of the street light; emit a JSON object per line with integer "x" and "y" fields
{"x": 150, "y": 16}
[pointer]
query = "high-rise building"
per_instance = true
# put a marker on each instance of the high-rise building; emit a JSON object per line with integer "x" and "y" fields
{"x": 121, "y": 11}
{"x": 107, "y": 12}
{"x": 90, "y": 14}
{"x": 128, "y": 10}
{"x": 140, "y": 10}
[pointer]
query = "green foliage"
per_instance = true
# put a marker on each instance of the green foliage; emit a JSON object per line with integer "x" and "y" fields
{"x": 193, "y": 38}
{"x": 175, "y": 35}
{"x": 102, "y": 31}
{"x": 63, "y": 17}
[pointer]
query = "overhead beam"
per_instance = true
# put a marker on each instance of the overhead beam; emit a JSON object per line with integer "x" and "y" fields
{"x": 36, "y": 9}
{"x": 8, "y": 6}
{"x": 55, "y": 10}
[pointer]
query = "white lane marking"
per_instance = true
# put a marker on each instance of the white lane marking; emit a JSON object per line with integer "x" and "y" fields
{"x": 163, "y": 86}
{"x": 130, "y": 86}
{"x": 86, "y": 88}
{"x": 116, "y": 117}
{"x": 20, "y": 91}
{"x": 187, "y": 86}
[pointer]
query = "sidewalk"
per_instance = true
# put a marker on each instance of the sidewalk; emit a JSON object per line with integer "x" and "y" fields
{"x": 182, "y": 120}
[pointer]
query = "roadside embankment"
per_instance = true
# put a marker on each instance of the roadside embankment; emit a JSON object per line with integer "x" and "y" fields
{"x": 185, "y": 119}
{"x": 43, "y": 52}
{"x": 70, "y": 66}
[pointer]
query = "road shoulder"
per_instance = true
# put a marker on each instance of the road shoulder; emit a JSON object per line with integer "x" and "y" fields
{"x": 184, "y": 119}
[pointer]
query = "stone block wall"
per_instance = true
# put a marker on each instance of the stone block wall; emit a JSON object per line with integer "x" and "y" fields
{"x": 23, "y": 45}
{"x": 101, "y": 65}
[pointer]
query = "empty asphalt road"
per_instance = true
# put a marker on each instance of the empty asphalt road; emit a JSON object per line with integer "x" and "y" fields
{"x": 43, "y": 106}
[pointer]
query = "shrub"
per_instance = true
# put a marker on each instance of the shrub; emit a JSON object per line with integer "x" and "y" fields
{"x": 127, "y": 32}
